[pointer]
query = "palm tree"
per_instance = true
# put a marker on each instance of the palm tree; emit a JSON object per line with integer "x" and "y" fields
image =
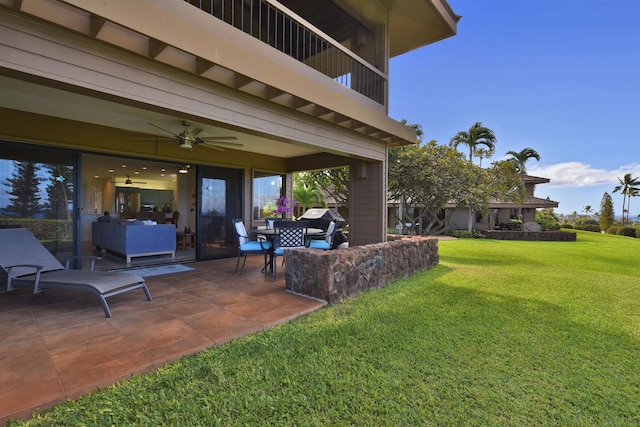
{"x": 483, "y": 153}
{"x": 587, "y": 209}
{"x": 629, "y": 187}
{"x": 307, "y": 196}
{"x": 477, "y": 135}
{"x": 520, "y": 158}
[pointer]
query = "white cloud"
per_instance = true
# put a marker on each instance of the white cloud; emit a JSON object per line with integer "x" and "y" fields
{"x": 576, "y": 174}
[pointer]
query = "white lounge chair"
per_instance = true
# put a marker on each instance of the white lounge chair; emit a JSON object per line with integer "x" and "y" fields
{"x": 29, "y": 264}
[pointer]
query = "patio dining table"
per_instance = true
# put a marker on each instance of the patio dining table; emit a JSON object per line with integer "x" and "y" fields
{"x": 269, "y": 234}
{"x": 312, "y": 233}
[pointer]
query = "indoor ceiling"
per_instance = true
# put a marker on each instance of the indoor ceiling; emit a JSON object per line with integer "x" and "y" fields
{"x": 140, "y": 171}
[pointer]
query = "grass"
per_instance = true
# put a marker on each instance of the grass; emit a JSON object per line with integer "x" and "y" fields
{"x": 500, "y": 333}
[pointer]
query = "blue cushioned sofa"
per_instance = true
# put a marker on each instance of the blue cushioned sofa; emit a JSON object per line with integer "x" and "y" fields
{"x": 133, "y": 238}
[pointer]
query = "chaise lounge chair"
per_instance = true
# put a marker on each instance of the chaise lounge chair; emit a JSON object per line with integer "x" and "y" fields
{"x": 29, "y": 264}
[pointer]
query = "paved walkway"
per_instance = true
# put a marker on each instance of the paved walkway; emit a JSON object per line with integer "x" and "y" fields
{"x": 60, "y": 345}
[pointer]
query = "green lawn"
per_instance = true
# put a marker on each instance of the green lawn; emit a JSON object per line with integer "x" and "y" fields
{"x": 500, "y": 333}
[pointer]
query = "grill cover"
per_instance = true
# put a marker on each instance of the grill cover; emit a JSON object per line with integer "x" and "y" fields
{"x": 320, "y": 218}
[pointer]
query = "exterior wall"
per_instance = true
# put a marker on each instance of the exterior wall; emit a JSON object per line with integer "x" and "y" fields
{"x": 504, "y": 216}
{"x": 459, "y": 219}
{"x": 528, "y": 215}
{"x": 342, "y": 273}
{"x": 367, "y": 204}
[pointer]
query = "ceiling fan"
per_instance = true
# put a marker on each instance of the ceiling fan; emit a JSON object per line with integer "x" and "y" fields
{"x": 129, "y": 182}
{"x": 187, "y": 139}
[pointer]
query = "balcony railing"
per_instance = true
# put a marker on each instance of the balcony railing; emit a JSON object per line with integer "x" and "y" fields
{"x": 266, "y": 22}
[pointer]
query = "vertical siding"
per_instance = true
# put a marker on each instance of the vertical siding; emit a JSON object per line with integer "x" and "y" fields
{"x": 367, "y": 205}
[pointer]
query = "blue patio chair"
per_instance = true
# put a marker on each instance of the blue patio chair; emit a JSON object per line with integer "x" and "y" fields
{"x": 288, "y": 235}
{"x": 247, "y": 246}
{"x": 327, "y": 242}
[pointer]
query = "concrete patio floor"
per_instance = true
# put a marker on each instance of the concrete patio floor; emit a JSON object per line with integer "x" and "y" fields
{"x": 59, "y": 345}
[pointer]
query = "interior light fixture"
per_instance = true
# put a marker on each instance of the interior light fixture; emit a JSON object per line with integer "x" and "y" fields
{"x": 128, "y": 181}
{"x": 183, "y": 169}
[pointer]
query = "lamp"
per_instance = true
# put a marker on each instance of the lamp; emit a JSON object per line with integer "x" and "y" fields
{"x": 128, "y": 181}
{"x": 183, "y": 169}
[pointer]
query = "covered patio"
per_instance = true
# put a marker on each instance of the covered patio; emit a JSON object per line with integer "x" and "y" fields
{"x": 60, "y": 345}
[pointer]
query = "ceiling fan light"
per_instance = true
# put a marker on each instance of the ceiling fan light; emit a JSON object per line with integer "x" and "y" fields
{"x": 183, "y": 170}
{"x": 128, "y": 181}
{"x": 186, "y": 144}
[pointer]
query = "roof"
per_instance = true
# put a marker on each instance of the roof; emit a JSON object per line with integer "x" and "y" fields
{"x": 530, "y": 202}
{"x": 530, "y": 179}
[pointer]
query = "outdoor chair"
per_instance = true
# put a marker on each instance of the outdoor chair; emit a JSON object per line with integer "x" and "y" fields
{"x": 28, "y": 263}
{"x": 288, "y": 235}
{"x": 247, "y": 246}
{"x": 327, "y": 242}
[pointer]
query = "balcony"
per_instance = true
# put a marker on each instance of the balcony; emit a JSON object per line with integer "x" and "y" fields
{"x": 292, "y": 35}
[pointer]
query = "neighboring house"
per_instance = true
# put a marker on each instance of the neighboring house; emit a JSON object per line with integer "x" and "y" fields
{"x": 124, "y": 96}
{"x": 501, "y": 213}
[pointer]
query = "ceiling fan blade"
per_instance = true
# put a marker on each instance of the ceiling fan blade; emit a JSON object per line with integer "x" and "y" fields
{"x": 212, "y": 146}
{"x": 151, "y": 138}
{"x": 226, "y": 144}
{"x": 168, "y": 131}
{"x": 218, "y": 138}
{"x": 195, "y": 131}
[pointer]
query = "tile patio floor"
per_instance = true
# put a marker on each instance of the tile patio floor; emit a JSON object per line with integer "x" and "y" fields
{"x": 60, "y": 345}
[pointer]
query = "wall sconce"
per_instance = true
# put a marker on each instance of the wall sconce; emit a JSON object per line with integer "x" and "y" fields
{"x": 361, "y": 169}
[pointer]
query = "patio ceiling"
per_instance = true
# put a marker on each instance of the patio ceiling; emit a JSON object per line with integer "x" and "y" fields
{"x": 35, "y": 98}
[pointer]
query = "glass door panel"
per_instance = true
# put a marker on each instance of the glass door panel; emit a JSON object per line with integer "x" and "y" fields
{"x": 38, "y": 192}
{"x": 219, "y": 202}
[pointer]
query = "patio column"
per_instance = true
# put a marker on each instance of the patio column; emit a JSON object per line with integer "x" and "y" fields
{"x": 367, "y": 203}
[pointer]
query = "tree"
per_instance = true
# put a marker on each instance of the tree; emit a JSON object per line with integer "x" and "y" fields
{"x": 430, "y": 176}
{"x": 476, "y": 135}
{"x": 484, "y": 153}
{"x": 499, "y": 182}
{"x": 629, "y": 187}
{"x": 59, "y": 192}
{"x": 521, "y": 157}
{"x": 307, "y": 196}
{"x": 332, "y": 182}
{"x": 607, "y": 214}
{"x": 426, "y": 177}
{"x": 587, "y": 209}
{"x": 24, "y": 189}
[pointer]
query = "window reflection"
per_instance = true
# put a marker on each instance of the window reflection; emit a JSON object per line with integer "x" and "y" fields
{"x": 267, "y": 188}
{"x": 37, "y": 192}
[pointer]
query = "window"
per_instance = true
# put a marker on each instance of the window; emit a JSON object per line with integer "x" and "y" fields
{"x": 37, "y": 191}
{"x": 267, "y": 188}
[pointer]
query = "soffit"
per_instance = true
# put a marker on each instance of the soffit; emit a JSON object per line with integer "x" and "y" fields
{"x": 411, "y": 24}
{"x": 85, "y": 19}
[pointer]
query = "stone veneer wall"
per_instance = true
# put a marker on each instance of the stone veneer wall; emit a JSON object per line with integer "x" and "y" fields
{"x": 543, "y": 236}
{"x": 342, "y": 273}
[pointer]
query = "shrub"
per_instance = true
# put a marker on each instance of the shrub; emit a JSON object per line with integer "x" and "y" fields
{"x": 638, "y": 233}
{"x": 591, "y": 227}
{"x": 547, "y": 222}
{"x": 613, "y": 229}
{"x": 461, "y": 234}
{"x": 567, "y": 225}
{"x": 626, "y": 231}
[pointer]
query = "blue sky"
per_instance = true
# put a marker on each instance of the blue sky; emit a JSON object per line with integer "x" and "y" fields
{"x": 559, "y": 76}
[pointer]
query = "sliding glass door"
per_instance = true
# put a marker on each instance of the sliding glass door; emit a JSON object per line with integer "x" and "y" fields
{"x": 38, "y": 192}
{"x": 219, "y": 202}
